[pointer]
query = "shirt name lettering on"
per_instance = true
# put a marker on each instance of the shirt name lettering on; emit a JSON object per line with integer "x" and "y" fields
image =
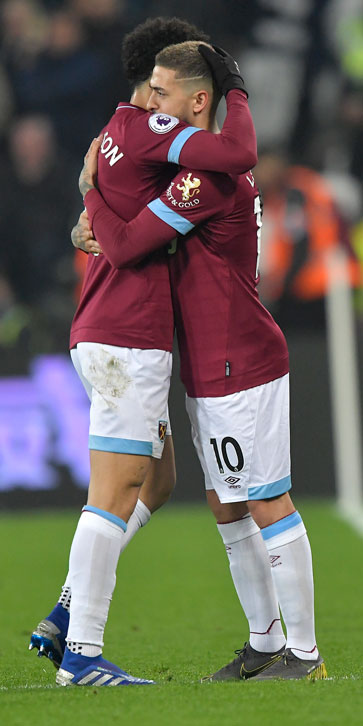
{"x": 109, "y": 150}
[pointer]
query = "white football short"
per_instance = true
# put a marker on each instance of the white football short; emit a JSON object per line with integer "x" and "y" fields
{"x": 243, "y": 441}
{"x": 128, "y": 389}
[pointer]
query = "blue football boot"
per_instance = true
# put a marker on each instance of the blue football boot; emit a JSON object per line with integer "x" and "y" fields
{"x": 49, "y": 637}
{"x": 81, "y": 670}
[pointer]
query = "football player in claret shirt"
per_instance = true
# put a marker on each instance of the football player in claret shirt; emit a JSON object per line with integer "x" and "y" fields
{"x": 121, "y": 342}
{"x": 234, "y": 364}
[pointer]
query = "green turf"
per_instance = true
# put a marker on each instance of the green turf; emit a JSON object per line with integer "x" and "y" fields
{"x": 175, "y": 617}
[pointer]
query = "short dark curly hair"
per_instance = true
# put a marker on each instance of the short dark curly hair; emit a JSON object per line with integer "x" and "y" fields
{"x": 140, "y": 47}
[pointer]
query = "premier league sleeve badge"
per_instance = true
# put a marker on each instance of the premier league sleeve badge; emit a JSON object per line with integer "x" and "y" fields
{"x": 161, "y": 123}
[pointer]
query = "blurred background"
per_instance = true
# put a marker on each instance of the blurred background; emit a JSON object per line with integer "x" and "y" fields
{"x": 60, "y": 80}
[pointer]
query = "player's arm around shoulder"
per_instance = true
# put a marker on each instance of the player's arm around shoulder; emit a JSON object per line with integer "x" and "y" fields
{"x": 159, "y": 138}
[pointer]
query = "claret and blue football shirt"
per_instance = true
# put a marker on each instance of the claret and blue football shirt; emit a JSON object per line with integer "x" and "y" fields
{"x": 132, "y": 306}
{"x": 228, "y": 341}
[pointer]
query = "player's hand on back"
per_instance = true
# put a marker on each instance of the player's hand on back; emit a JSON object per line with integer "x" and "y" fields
{"x": 82, "y": 236}
{"x": 224, "y": 68}
{"x": 88, "y": 175}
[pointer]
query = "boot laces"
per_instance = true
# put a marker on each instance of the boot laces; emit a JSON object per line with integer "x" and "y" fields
{"x": 240, "y": 652}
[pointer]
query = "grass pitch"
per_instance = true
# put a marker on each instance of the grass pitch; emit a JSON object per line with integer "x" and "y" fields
{"x": 175, "y": 617}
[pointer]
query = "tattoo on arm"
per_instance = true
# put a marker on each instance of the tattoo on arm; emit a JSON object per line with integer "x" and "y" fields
{"x": 85, "y": 186}
{"x": 85, "y": 182}
{"x": 76, "y": 236}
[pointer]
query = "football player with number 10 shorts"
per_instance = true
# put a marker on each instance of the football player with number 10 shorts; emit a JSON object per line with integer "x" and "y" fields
{"x": 234, "y": 364}
{"x": 121, "y": 342}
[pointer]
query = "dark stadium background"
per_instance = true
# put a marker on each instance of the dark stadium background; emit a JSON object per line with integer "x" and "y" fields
{"x": 60, "y": 70}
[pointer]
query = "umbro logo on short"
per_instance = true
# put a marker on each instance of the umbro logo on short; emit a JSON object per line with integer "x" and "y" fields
{"x": 274, "y": 560}
{"x": 232, "y": 482}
